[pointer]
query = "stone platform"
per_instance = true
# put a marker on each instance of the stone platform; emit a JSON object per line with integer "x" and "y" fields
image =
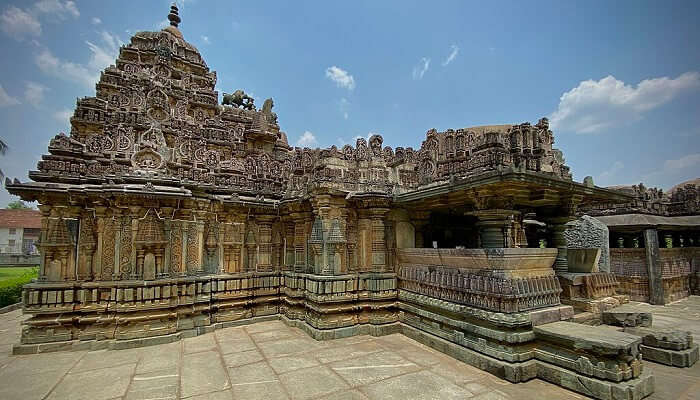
{"x": 266, "y": 360}
{"x": 270, "y": 349}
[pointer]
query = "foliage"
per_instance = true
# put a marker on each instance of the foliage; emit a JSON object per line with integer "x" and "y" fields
{"x": 3, "y": 149}
{"x": 11, "y": 289}
{"x": 18, "y": 205}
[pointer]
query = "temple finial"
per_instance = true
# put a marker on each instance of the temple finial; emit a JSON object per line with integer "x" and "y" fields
{"x": 174, "y": 17}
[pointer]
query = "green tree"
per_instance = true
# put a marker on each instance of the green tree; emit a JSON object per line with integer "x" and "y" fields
{"x": 3, "y": 149}
{"x": 18, "y": 205}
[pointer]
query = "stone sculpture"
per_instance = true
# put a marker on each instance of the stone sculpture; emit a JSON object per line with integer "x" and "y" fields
{"x": 588, "y": 232}
{"x": 240, "y": 100}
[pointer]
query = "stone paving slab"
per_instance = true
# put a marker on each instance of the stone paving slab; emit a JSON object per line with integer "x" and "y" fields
{"x": 270, "y": 360}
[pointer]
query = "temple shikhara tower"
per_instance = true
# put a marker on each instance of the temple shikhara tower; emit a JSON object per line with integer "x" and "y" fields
{"x": 167, "y": 215}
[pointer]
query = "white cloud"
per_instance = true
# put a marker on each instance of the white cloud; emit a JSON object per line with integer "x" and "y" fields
{"x": 594, "y": 106}
{"x": 307, "y": 139}
{"x": 6, "y": 100}
{"x": 63, "y": 116}
{"x": 102, "y": 55}
{"x": 51, "y": 65}
{"x": 19, "y": 23}
{"x": 607, "y": 177}
{"x": 454, "y": 50}
{"x": 341, "y": 77}
{"x": 96, "y": 21}
{"x": 344, "y": 106}
{"x": 58, "y": 9}
{"x": 674, "y": 171}
{"x": 420, "y": 69}
{"x": 205, "y": 39}
{"x": 34, "y": 93}
{"x": 688, "y": 161}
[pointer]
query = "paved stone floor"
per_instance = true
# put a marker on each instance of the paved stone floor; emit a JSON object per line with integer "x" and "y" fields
{"x": 269, "y": 360}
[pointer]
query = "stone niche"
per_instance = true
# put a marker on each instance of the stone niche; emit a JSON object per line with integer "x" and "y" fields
{"x": 588, "y": 232}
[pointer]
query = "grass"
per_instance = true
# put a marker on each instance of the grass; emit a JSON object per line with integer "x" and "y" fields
{"x": 8, "y": 273}
{"x": 11, "y": 281}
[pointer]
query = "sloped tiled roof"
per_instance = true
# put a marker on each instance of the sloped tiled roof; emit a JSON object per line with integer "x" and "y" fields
{"x": 20, "y": 219}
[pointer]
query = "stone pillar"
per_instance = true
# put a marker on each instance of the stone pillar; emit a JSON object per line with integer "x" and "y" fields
{"x": 420, "y": 220}
{"x": 364, "y": 243}
{"x": 265, "y": 243}
{"x": 668, "y": 241}
{"x": 654, "y": 268}
{"x": 45, "y": 212}
{"x": 300, "y": 224}
{"x": 558, "y": 226}
{"x": 289, "y": 245}
{"x": 495, "y": 227}
{"x": 165, "y": 268}
{"x": 378, "y": 239}
{"x": 117, "y": 229}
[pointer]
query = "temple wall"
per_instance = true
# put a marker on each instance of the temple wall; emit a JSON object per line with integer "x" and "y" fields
{"x": 679, "y": 271}
{"x": 143, "y": 269}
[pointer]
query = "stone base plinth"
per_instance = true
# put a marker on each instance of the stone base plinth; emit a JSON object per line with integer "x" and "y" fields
{"x": 675, "y": 358}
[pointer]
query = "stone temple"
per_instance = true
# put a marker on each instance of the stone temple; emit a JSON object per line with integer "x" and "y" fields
{"x": 167, "y": 215}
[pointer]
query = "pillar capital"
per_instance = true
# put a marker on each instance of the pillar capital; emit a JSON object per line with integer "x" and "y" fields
{"x": 495, "y": 226}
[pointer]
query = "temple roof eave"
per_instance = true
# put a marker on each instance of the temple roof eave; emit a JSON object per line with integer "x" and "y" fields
{"x": 31, "y": 191}
{"x": 588, "y": 194}
{"x": 645, "y": 221}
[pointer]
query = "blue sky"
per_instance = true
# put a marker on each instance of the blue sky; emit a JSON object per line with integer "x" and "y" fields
{"x": 620, "y": 81}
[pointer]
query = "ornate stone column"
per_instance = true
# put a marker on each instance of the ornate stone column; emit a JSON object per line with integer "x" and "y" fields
{"x": 45, "y": 212}
{"x": 420, "y": 220}
{"x": 165, "y": 269}
{"x": 495, "y": 227}
{"x": 378, "y": 239}
{"x": 117, "y": 234}
{"x": 300, "y": 228}
{"x": 558, "y": 226}
{"x": 289, "y": 245}
{"x": 264, "y": 243}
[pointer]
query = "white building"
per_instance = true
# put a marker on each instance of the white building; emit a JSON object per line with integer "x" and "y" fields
{"x": 19, "y": 231}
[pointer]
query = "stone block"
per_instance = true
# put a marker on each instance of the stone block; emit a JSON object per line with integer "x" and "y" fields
{"x": 626, "y": 316}
{"x": 551, "y": 314}
{"x": 676, "y": 358}
{"x": 663, "y": 338}
{"x": 600, "y": 341}
{"x": 583, "y": 260}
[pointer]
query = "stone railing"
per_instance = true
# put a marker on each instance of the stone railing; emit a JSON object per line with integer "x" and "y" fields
{"x": 505, "y": 262}
{"x": 501, "y": 280}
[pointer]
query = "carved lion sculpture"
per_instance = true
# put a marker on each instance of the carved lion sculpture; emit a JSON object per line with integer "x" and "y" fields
{"x": 267, "y": 110}
{"x": 239, "y": 99}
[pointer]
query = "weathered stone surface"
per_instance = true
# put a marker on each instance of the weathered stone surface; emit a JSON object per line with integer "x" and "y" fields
{"x": 583, "y": 260}
{"x": 676, "y": 358}
{"x": 597, "y": 340}
{"x": 588, "y": 232}
{"x": 627, "y": 316}
{"x": 662, "y": 338}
